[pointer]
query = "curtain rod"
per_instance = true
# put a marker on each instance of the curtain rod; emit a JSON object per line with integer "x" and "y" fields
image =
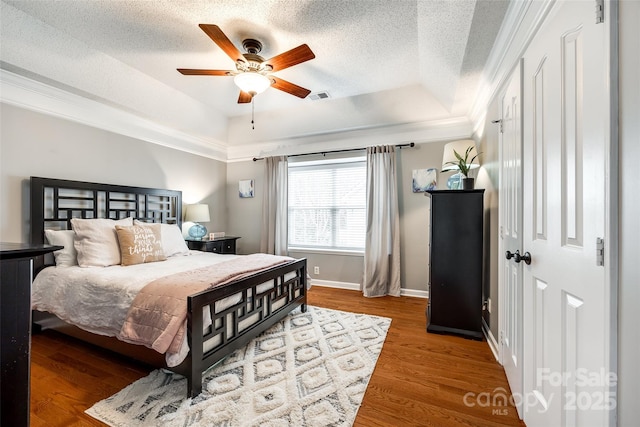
{"x": 400, "y": 146}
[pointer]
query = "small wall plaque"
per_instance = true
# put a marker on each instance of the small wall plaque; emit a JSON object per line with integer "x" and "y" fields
{"x": 423, "y": 180}
{"x": 245, "y": 188}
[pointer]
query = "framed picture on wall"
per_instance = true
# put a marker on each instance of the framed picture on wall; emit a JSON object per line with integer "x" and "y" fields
{"x": 245, "y": 188}
{"x": 424, "y": 180}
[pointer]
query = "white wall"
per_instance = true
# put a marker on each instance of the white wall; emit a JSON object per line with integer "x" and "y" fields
{"x": 33, "y": 144}
{"x": 629, "y": 241}
{"x": 489, "y": 179}
{"x": 245, "y": 215}
{"x": 414, "y": 213}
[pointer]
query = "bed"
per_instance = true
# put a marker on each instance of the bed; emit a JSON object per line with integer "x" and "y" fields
{"x": 219, "y": 320}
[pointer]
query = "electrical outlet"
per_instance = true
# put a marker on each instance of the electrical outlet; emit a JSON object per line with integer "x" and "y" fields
{"x": 316, "y": 270}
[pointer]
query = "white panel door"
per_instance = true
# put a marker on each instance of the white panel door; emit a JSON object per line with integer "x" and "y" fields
{"x": 510, "y": 221}
{"x": 566, "y": 310}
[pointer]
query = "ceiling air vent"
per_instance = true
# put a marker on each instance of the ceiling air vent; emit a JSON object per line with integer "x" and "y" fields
{"x": 319, "y": 95}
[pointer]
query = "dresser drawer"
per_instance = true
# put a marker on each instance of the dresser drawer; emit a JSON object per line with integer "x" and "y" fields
{"x": 229, "y": 247}
{"x": 221, "y": 245}
{"x": 214, "y": 246}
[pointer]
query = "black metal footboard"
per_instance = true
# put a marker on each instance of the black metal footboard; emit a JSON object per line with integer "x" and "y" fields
{"x": 234, "y": 326}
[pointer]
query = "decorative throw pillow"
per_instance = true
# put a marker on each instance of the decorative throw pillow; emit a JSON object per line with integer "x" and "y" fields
{"x": 68, "y": 256}
{"x": 96, "y": 241}
{"x": 172, "y": 241}
{"x": 140, "y": 243}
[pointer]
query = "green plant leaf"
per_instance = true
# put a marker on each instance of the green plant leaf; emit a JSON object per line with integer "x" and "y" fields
{"x": 463, "y": 164}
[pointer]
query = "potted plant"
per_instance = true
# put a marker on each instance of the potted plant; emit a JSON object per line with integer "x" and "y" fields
{"x": 464, "y": 166}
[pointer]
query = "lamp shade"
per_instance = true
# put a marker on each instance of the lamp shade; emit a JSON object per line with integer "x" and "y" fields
{"x": 459, "y": 147}
{"x": 251, "y": 82}
{"x": 197, "y": 213}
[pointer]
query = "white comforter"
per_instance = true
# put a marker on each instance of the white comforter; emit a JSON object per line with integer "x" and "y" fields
{"x": 97, "y": 299}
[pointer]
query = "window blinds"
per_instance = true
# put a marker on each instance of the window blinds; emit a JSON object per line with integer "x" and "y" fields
{"x": 327, "y": 205}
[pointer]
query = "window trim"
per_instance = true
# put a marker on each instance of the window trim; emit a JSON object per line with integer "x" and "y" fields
{"x": 344, "y": 252}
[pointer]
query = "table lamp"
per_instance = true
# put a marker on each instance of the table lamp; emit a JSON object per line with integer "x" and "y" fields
{"x": 197, "y": 213}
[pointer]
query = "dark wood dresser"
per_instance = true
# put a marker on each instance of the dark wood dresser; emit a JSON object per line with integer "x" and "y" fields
{"x": 16, "y": 273}
{"x": 455, "y": 262}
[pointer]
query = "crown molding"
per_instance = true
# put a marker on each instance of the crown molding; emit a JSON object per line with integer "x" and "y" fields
{"x": 418, "y": 132}
{"x": 521, "y": 23}
{"x": 32, "y": 95}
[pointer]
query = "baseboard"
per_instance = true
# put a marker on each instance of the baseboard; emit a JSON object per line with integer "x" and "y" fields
{"x": 356, "y": 287}
{"x": 491, "y": 340}
{"x": 333, "y": 284}
{"x": 415, "y": 293}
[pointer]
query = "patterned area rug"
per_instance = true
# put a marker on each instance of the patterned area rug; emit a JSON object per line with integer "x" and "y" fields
{"x": 311, "y": 369}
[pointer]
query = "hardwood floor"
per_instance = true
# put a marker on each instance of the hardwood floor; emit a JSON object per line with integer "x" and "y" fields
{"x": 420, "y": 379}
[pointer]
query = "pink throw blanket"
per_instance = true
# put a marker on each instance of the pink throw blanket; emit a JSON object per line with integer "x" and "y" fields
{"x": 157, "y": 316}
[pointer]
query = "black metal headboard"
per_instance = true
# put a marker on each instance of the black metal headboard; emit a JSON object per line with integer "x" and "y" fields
{"x": 55, "y": 201}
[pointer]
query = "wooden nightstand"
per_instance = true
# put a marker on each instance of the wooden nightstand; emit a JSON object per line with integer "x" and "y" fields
{"x": 221, "y": 245}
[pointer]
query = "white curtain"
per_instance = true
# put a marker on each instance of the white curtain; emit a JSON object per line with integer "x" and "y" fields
{"x": 274, "y": 207}
{"x": 382, "y": 245}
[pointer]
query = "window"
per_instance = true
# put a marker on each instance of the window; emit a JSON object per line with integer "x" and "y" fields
{"x": 327, "y": 204}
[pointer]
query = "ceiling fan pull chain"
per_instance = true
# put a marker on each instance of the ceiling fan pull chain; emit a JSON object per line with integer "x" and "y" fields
{"x": 252, "y": 111}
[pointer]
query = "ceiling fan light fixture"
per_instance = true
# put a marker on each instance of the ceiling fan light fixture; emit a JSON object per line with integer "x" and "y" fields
{"x": 251, "y": 82}
{"x": 252, "y": 72}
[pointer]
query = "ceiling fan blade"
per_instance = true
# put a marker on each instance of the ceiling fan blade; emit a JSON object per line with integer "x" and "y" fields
{"x": 219, "y": 38}
{"x": 289, "y": 87}
{"x": 191, "y": 72}
{"x": 244, "y": 98}
{"x": 291, "y": 57}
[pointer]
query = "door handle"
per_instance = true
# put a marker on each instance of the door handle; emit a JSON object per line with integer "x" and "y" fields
{"x": 526, "y": 257}
{"x": 515, "y": 255}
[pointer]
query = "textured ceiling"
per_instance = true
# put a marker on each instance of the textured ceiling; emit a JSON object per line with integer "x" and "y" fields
{"x": 381, "y": 61}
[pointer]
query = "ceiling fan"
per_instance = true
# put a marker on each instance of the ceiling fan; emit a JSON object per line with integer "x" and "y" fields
{"x": 253, "y": 73}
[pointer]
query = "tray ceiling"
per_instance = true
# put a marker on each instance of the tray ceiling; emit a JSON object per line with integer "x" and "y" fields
{"x": 381, "y": 62}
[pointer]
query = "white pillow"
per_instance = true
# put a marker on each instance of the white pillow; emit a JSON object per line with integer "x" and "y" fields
{"x": 68, "y": 256}
{"x": 96, "y": 241}
{"x": 172, "y": 241}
